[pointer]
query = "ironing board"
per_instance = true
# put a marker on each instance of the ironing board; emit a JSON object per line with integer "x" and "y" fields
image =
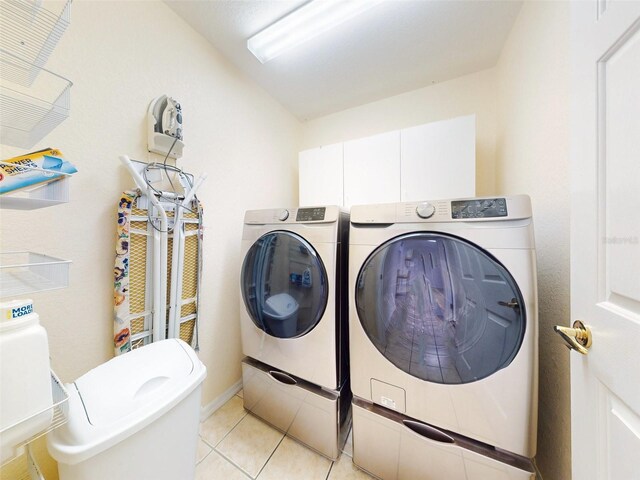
{"x": 133, "y": 272}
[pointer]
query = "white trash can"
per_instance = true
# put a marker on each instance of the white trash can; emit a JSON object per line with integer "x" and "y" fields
{"x": 134, "y": 417}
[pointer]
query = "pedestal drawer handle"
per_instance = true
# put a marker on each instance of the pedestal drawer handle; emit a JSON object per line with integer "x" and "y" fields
{"x": 428, "y": 431}
{"x": 282, "y": 377}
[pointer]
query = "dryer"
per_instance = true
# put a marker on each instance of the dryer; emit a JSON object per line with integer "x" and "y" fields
{"x": 293, "y": 320}
{"x": 443, "y": 319}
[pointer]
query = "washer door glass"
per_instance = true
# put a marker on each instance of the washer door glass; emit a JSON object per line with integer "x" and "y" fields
{"x": 440, "y": 308}
{"x": 284, "y": 285}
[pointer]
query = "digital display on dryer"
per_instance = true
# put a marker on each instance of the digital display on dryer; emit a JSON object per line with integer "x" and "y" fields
{"x": 481, "y": 208}
{"x": 310, "y": 214}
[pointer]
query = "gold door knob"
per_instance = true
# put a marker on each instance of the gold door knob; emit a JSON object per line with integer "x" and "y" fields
{"x": 577, "y": 338}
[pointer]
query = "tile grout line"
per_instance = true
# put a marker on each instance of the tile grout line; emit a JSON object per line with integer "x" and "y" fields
{"x": 226, "y": 434}
{"x": 233, "y": 464}
{"x": 230, "y": 462}
{"x": 208, "y": 453}
{"x": 227, "y": 459}
{"x": 268, "y": 459}
{"x": 333, "y": 462}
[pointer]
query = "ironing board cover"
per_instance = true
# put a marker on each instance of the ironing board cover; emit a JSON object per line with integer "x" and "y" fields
{"x": 122, "y": 320}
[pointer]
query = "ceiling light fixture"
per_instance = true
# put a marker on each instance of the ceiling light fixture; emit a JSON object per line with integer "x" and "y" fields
{"x": 306, "y": 22}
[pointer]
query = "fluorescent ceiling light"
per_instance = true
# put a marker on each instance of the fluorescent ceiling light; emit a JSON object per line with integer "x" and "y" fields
{"x": 303, "y": 24}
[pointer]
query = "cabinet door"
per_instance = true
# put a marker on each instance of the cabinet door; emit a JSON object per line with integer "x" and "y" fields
{"x": 439, "y": 160}
{"x": 372, "y": 169}
{"x": 320, "y": 176}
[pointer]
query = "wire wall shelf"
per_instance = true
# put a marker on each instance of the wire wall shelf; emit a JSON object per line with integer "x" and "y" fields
{"x": 40, "y": 195}
{"x": 27, "y": 114}
{"x": 32, "y": 32}
{"x": 24, "y": 466}
{"x": 22, "y": 273}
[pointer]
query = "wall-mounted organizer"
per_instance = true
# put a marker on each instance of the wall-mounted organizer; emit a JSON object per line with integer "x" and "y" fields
{"x": 31, "y": 31}
{"x": 29, "y": 113}
{"x": 22, "y": 273}
{"x": 39, "y": 195}
{"x": 33, "y": 100}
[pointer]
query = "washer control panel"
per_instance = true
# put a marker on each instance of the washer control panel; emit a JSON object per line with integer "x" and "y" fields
{"x": 310, "y": 214}
{"x": 480, "y": 208}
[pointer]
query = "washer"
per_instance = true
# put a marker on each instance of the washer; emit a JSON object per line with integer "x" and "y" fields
{"x": 293, "y": 319}
{"x": 292, "y": 292}
{"x": 443, "y": 318}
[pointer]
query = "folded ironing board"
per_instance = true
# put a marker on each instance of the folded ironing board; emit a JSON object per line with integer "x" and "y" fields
{"x": 134, "y": 271}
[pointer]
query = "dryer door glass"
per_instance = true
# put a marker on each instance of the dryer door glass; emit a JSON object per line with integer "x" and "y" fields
{"x": 440, "y": 308}
{"x": 284, "y": 285}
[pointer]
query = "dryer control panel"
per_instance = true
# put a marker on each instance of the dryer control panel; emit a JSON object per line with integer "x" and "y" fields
{"x": 310, "y": 214}
{"x": 479, "y": 208}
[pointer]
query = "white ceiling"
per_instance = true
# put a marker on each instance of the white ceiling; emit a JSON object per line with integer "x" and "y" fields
{"x": 397, "y": 46}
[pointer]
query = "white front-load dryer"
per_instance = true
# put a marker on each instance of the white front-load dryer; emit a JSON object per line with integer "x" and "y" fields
{"x": 443, "y": 316}
{"x": 293, "y": 303}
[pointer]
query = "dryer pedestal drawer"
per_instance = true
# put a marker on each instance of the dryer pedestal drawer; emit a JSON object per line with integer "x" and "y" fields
{"x": 392, "y": 446}
{"x": 317, "y": 417}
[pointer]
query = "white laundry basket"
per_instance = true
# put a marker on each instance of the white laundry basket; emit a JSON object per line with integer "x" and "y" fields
{"x": 134, "y": 417}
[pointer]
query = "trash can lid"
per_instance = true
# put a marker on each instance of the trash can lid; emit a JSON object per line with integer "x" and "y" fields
{"x": 122, "y": 396}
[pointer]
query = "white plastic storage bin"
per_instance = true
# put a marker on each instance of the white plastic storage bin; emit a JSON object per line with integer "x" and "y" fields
{"x": 392, "y": 446}
{"x": 25, "y": 378}
{"x": 134, "y": 417}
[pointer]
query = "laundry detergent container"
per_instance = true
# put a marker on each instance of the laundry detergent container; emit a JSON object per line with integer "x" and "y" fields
{"x": 282, "y": 312}
{"x": 134, "y": 417}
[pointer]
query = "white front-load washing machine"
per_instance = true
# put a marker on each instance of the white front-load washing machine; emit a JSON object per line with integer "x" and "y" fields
{"x": 443, "y": 322}
{"x": 293, "y": 319}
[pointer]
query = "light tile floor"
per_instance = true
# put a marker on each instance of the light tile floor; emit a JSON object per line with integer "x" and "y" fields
{"x": 235, "y": 445}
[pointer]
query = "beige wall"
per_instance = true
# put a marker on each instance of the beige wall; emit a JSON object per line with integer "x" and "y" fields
{"x": 533, "y": 157}
{"x": 475, "y": 93}
{"x": 120, "y": 55}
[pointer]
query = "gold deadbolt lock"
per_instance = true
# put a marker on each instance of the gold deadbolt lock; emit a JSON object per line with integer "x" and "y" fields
{"x": 577, "y": 338}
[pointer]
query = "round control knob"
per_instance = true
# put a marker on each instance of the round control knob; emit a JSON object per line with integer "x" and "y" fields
{"x": 425, "y": 210}
{"x": 283, "y": 215}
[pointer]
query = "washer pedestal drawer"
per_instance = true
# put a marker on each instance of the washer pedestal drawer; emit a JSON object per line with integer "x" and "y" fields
{"x": 315, "y": 416}
{"x": 392, "y": 446}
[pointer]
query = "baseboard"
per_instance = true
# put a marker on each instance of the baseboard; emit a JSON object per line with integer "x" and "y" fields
{"x": 211, "y": 407}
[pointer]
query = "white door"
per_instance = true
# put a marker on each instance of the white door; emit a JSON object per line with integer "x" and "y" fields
{"x": 605, "y": 239}
{"x": 372, "y": 169}
{"x": 320, "y": 176}
{"x": 438, "y": 160}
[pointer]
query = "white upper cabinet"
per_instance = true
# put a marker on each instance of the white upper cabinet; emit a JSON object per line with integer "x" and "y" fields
{"x": 372, "y": 169}
{"x": 439, "y": 160}
{"x": 320, "y": 173}
{"x": 428, "y": 162}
